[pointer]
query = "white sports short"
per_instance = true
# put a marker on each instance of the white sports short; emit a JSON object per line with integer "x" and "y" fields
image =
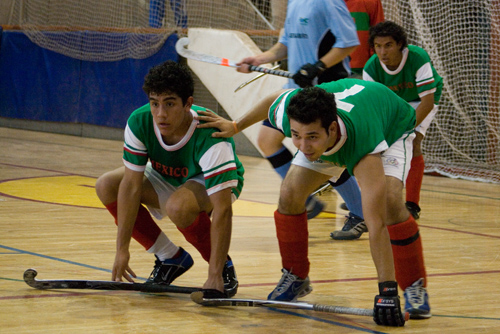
{"x": 163, "y": 190}
{"x": 422, "y": 127}
{"x": 396, "y": 160}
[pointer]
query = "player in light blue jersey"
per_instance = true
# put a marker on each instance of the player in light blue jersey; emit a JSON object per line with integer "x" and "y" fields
{"x": 318, "y": 37}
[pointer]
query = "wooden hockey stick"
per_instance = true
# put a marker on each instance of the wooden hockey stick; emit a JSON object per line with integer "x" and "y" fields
{"x": 193, "y": 55}
{"x": 30, "y": 274}
{"x": 197, "y": 297}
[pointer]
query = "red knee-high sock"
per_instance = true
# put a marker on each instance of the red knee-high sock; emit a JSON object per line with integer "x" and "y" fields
{"x": 198, "y": 234}
{"x": 293, "y": 236}
{"x": 414, "y": 180}
{"x": 146, "y": 231}
{"x": 408, "y": 253}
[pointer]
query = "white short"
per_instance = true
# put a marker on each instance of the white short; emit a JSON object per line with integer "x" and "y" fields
{"x": 163, "y": 190}
{"x": 422, "y": 127}
{"x": 325, "y": 168}
{"x": 396, "y": 160}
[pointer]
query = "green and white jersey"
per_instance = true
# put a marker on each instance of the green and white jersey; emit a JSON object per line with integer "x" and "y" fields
{"x": 198, "y": 152}
{"x": 371, "y": 118}
{"x": 414, "y": 78}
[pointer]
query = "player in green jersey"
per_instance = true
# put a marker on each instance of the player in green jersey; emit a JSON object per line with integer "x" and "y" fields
{"x": 408, "y": 71}
{"x": 179, "y": 171}
{"x": 366, "y": 128}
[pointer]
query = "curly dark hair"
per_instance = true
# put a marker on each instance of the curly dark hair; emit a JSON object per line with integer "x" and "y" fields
{"x": 169, "y": 77}
{"x": 388, "y": 29}
{"x": 311, "y": 104}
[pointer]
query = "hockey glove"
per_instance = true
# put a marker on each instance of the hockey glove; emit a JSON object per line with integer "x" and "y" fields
{"x": 387, "y": 309}
{"x": 305, "y": 76}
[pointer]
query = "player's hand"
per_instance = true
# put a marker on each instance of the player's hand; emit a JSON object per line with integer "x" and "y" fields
{"x": 212, "y": 120}
{"x": 215, "y": 283}
{"x": 244, "y": 65}
{"x": 387, "y": 308}
{"x": 305, "y": 76}
{"x": 121, "y": 267}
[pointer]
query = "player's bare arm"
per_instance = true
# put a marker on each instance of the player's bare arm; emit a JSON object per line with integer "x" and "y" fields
{"x": 228, "y": 128}
{"x": 277, "y": 52}
{"x": 425, "y": 107}
{"x": 220, "y": 232}
{"x": 129, "y": 197}
{"x": 336, "y": 55}
{"x": 371, "y": 178}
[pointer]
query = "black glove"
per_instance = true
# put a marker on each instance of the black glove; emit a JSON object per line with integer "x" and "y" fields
{"x": 305, "y": 76}
{"x": 387, "y": 309}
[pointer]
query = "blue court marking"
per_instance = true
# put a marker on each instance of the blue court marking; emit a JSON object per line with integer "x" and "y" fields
{"x": 463, "y": 317}
{"x": 336, "y": 323}
{"x": 60, "y": 260}
{"x": 275, "y": 310}
{"x": 54, "y": 258}
{"x": 107, "y": 270}
{"x": 11, "y": 279}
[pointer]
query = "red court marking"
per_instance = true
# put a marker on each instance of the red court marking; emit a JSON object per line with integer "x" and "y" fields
{"x": 375, "y": 278}
{"x": 458, "y": 231}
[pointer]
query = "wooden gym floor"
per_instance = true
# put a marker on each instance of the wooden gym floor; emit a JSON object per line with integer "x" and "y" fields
{"x": 51, "y": 220}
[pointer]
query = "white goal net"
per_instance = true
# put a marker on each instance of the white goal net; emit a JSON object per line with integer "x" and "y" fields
{"x": 110, "y": 30}
{"x": 463, "y": 40}
{"x": 461, "y": 36}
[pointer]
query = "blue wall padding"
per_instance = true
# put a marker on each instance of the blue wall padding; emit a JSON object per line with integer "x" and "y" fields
{"x": 39, "y": 84}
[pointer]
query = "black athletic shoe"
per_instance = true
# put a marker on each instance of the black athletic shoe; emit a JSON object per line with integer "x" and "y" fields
{"x": 166, "y": 271}
{"x": 414, "y": 209}
{"x": 354, "y": 227}
{"x": 230, "y": 279}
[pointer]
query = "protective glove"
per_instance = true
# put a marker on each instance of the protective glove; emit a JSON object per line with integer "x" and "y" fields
{"x": 387, "y": 308}
{"x": 305, "y": 76}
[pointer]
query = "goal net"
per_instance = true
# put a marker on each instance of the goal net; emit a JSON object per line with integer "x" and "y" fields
{"x": 461, "y": 36}
{"x": 110, "y": 30}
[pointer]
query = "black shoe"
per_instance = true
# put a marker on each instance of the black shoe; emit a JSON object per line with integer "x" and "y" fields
{"x": 230, "y": 279}
{"x": 213, "y": 294}
{"x": 414, "y": 209}
{"x": 354, "y": 227}
{"x": 314, "y": 207}
{"x": 166, "y": 271}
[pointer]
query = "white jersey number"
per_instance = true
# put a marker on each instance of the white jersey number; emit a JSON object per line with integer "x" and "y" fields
{"x": 346, "y": 93}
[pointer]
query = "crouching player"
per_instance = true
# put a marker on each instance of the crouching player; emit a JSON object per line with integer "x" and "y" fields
{"x": 366, "y": 128}
{"x": 191, "y": 177}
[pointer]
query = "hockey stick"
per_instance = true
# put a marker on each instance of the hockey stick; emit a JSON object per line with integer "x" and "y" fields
{"x": 190, "y": 54}
{"x": 322, "y": 189}
{"x": 197, "y": 297}
{"x": 246, "y": 83}
{"x": 30, "y": 274}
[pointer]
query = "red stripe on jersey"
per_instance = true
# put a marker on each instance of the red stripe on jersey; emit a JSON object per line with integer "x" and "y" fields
{"x": 221, "y": 172}
{"x": 425, "y": 83}
{"x": 134, "y": 152}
